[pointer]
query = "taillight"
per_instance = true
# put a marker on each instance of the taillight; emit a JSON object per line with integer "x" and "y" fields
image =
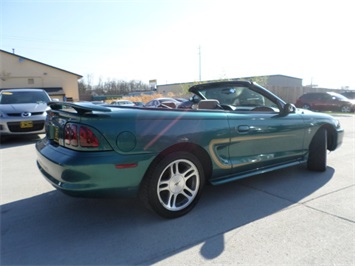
{"x": 88, "y": 138}
{"x": 80, "y": 136}
{"x": 71, "y": 135}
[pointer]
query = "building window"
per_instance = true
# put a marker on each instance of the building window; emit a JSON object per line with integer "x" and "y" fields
{"x": 31, "y": 81}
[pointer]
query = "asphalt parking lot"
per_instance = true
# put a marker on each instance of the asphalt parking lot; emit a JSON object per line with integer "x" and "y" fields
{"x": 288, "y": 217}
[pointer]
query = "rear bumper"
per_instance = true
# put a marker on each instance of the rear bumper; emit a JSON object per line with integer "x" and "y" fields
{"x": 90, "y": 174}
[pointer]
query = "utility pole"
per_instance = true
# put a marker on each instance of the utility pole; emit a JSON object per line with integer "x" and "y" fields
{"x": 199, "y": 61}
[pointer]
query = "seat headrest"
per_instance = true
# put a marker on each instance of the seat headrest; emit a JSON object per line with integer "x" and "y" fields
{"x": 208, "y": 104}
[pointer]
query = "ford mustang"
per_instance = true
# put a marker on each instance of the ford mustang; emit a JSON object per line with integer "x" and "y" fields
{"x": 165, "y": 156}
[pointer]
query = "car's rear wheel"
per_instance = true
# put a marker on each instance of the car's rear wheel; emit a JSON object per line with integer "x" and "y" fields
{"x": 172, "y": 186}
{"x": 306, "y": 106}
{"x": 317, "y": 158}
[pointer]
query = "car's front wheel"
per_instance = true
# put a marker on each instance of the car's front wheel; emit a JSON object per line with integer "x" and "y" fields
{"x": 317, "y": 157}
{"x": 172, "y": 186}
{"x": 345, "y": 109}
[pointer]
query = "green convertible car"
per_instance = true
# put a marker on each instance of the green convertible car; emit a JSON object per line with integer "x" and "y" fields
{"x": 165, "y": 156}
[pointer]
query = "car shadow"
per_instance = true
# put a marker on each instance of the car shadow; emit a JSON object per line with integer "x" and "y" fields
{"x": 15, "y": 141}
{"x": 54, "y": 229}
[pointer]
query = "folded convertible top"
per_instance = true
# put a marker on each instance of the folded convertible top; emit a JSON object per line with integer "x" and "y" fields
{"x": 79, "y": 107}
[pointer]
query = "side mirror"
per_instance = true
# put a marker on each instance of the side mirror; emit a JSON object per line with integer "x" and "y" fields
{"x": 289, "y": 108}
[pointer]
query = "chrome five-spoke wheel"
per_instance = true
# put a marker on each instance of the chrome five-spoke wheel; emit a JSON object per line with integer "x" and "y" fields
{"x": 178, "y": 185}
{"x": 173, "y": 184}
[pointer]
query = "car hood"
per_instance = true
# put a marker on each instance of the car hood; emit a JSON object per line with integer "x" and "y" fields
{"x": 23, "y": 107}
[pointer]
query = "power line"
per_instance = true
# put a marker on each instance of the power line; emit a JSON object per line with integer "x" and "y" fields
{"x": 199, "y": 62}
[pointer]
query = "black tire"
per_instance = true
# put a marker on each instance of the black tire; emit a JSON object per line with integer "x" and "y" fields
{"x": 345, "y": 109}
{"x": 306, "y": 106}
{"x": 317, "y": 157}
{"x": 172, "y": 186}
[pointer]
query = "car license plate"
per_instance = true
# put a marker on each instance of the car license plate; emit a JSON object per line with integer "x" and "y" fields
{"x": 26, "y": 124}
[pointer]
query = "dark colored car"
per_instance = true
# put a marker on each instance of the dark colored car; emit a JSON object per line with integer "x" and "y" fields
{"x": 326, "y": 101}
{"x": 348, "y": 94}
{"x": 23, "y": 111}
{"x": 166, "y": 156}
{"x": 190, "y": 103}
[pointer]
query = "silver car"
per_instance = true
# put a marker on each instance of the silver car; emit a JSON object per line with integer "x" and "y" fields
{"x": 163, "y": 103}
{"x": 23, "y": 111}
{"x": 123, "y": 103}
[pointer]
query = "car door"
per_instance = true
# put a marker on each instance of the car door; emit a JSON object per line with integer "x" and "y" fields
{"x": 261, "y": 140}
{"x": 261, "y": 135}
{"x": 324, "y": 102}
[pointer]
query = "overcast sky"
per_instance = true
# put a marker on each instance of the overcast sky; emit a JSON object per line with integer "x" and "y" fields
{"x": 160, "y": 39}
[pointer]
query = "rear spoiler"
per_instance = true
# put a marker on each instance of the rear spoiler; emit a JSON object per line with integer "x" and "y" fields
{"x": 79, "y": 107}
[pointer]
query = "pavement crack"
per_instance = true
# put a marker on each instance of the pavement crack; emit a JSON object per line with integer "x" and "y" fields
{"x": 328, "y": 213}
{"x": 305, "y": 203}
{"x": 329, "y": 193}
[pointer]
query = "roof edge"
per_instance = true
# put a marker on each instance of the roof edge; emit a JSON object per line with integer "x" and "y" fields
{"x": 13, "y": 54}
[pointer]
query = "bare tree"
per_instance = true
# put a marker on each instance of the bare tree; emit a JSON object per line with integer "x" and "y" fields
{"x": 110, "y": 87}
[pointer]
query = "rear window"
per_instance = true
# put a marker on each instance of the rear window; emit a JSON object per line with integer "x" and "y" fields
{"x": 310, "y": 96}
{"x": 19, "y": 97}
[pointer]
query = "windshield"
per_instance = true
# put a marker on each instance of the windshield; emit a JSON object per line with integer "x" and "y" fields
{"x": 339, "y": 96}
{"x": 19, "y": 97}
{"x": 237, "y": 96}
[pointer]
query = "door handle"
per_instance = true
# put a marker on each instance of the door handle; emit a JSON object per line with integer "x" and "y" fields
{"x": 243, "y": 129}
